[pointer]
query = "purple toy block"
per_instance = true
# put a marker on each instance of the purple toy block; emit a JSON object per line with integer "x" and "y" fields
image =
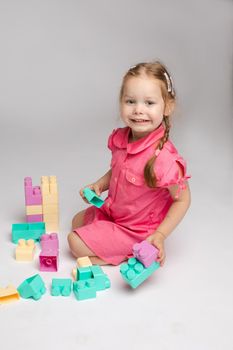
{"x": 48, "y": 260}
{"x": 34, "y": 218}
{"x": 145, "y": 252}
{"x": 49, "y": 241}
{"x": 32, "y": 193}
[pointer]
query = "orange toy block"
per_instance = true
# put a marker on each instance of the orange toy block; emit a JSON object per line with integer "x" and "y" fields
{"x": 25, "y": 250}
{"x": 8, "y": 294}
{"x": 51, "y": 226}
{"x": 34, "y": 209}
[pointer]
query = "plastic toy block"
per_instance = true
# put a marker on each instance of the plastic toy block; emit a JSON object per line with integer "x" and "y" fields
{"x": 32, "y": 193}
{"x": 33, "y": 287}
{"x": 84, "y": 273}
{"x": 25, "y": 250}
{"x": 48, "y": 260}
{"x": 34, "y": 218}
{"x": 49, "y": 241}
{"x": 84, "y": 262}
{"x": 145, "y": 252}
{"x": 92, "y": 197}
{"x": 8, "y": 294}
{"x": 33, "y": 209}
{"x": 134, "y": 273}
{"x": 84, "y": 289}
{"x": 27, "y": 231}
{"x": 101, "y": 279}
{"x": 51, "y": 226}
{"x": 61, "y": 286}
{"x": 49, "y": 190}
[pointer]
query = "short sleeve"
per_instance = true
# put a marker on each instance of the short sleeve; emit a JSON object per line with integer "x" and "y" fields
{"x": 110, "y": 139}
{"x": 171, "y": 170}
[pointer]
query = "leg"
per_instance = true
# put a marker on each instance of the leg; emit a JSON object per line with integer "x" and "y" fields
{"x": 79, "y": 249}
{"x": 78, "y": 220}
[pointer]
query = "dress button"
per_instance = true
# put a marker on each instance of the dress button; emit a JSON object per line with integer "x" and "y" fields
{"x": 133, "y": 179}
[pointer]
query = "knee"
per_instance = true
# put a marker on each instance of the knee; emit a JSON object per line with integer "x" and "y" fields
{"x": 71, "y": 238}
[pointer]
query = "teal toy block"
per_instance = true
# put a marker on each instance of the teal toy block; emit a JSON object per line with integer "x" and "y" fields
{"x": 33, "y": 287}
{"x": 101, "y": 279}
{"x": 84, "y": 289}
{"x": 28, "y": 231}
{"x": 134, "y": 273}
{"x": 84, "y": 273}
{"x": 92, "y": 197}
{"x": 61, "y": 286}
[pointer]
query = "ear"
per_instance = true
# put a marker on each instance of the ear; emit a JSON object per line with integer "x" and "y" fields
{"x": 169, "y": 108}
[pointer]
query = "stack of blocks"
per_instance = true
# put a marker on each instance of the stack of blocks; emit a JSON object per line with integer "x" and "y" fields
{"x": 90, "y": 279}
{"x": 139, "y": 268}
{"x": 42, "y": 202}
{"x": 49, "y": 254}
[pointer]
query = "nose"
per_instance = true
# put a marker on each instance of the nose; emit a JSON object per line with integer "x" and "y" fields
{"x": 138, "y": 108}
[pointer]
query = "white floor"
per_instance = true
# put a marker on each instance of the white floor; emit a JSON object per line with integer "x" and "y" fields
{"x": 187, "y": 304}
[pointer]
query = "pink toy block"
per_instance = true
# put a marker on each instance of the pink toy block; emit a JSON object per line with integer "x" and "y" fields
{"x": 145, "y": 252}
{"x": 34, "y": 218}
{"x": 49, "y": 241}
{"x": 48, "y": 260}
{"x": 49, "y": 254}
{"x": 32, "y": 193}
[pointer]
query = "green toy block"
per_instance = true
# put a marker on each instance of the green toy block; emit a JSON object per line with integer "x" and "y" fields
{"x": 84, "y": 273}
{"x": 101, "y": 279}
{"x": 27, "y": 231}
{"x": 61, "y": 286}
{"x": 92, "y": 197}
{"x": 84, "y": 289}
{"x": 134, "y": 273}
{"x": 33, "y": 287}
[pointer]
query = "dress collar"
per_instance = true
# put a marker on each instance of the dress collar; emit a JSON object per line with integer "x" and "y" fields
{"x": 122, "y": 140}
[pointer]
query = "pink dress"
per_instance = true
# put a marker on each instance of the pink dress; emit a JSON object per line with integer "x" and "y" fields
{"x": 132, "y": 211}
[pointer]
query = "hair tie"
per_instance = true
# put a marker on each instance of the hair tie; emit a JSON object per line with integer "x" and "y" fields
{"x": 169, "y": 83}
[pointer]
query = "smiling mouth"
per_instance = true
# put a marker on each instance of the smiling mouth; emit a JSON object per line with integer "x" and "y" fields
{"x": 139, "y": 120}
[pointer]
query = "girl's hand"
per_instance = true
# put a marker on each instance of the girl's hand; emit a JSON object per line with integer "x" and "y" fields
{"x": 96, "y": 186}
{"x": 158, "y": 241}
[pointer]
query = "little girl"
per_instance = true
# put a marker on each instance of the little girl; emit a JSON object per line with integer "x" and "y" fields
{"x": 148, "y": 193}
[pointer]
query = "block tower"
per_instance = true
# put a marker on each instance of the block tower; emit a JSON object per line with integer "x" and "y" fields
{"x": 49, "y": 190}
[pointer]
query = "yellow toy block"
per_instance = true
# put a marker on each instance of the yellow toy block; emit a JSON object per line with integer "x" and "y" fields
{"x": 81, "y": 262}
{"x": 49, "y": 190}
{"x": 84, "y": 262}
{"x": 8, "y": 294}
{"x": 34, "y": 209}
{"x": 51, "y": 226}
{"x": 25, "y": 250}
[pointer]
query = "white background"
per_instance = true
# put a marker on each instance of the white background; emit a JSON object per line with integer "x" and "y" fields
{"x": 61, "y": 65}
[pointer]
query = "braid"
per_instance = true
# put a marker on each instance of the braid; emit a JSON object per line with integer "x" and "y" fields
{"x": 149, "y": 173}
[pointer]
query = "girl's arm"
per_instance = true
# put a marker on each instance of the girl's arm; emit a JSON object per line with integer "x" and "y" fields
{"x": 174, "y": 215}
{"x": 99, "y": 186}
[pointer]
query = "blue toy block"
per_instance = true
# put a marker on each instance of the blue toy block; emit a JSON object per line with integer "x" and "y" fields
{"x": 28, "y": 231}
{"x": 134, "y": 273}
{"x": 84, "y": 273}
{"x": 33, "y": 287}
{"x": 61, "y": 286}
{"x": 101, "y": 279}
{"x": 92, "y": 197}
{"x": 84, "y": 289}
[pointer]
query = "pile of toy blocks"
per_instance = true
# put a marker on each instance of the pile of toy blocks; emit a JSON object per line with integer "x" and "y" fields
{"x": 142, "y": 265}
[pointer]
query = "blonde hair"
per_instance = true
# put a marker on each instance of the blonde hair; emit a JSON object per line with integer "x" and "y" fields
{"x": 158, "y": 71}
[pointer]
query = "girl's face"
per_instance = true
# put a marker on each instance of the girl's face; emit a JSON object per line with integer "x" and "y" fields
{"x": 142, "y": 105}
